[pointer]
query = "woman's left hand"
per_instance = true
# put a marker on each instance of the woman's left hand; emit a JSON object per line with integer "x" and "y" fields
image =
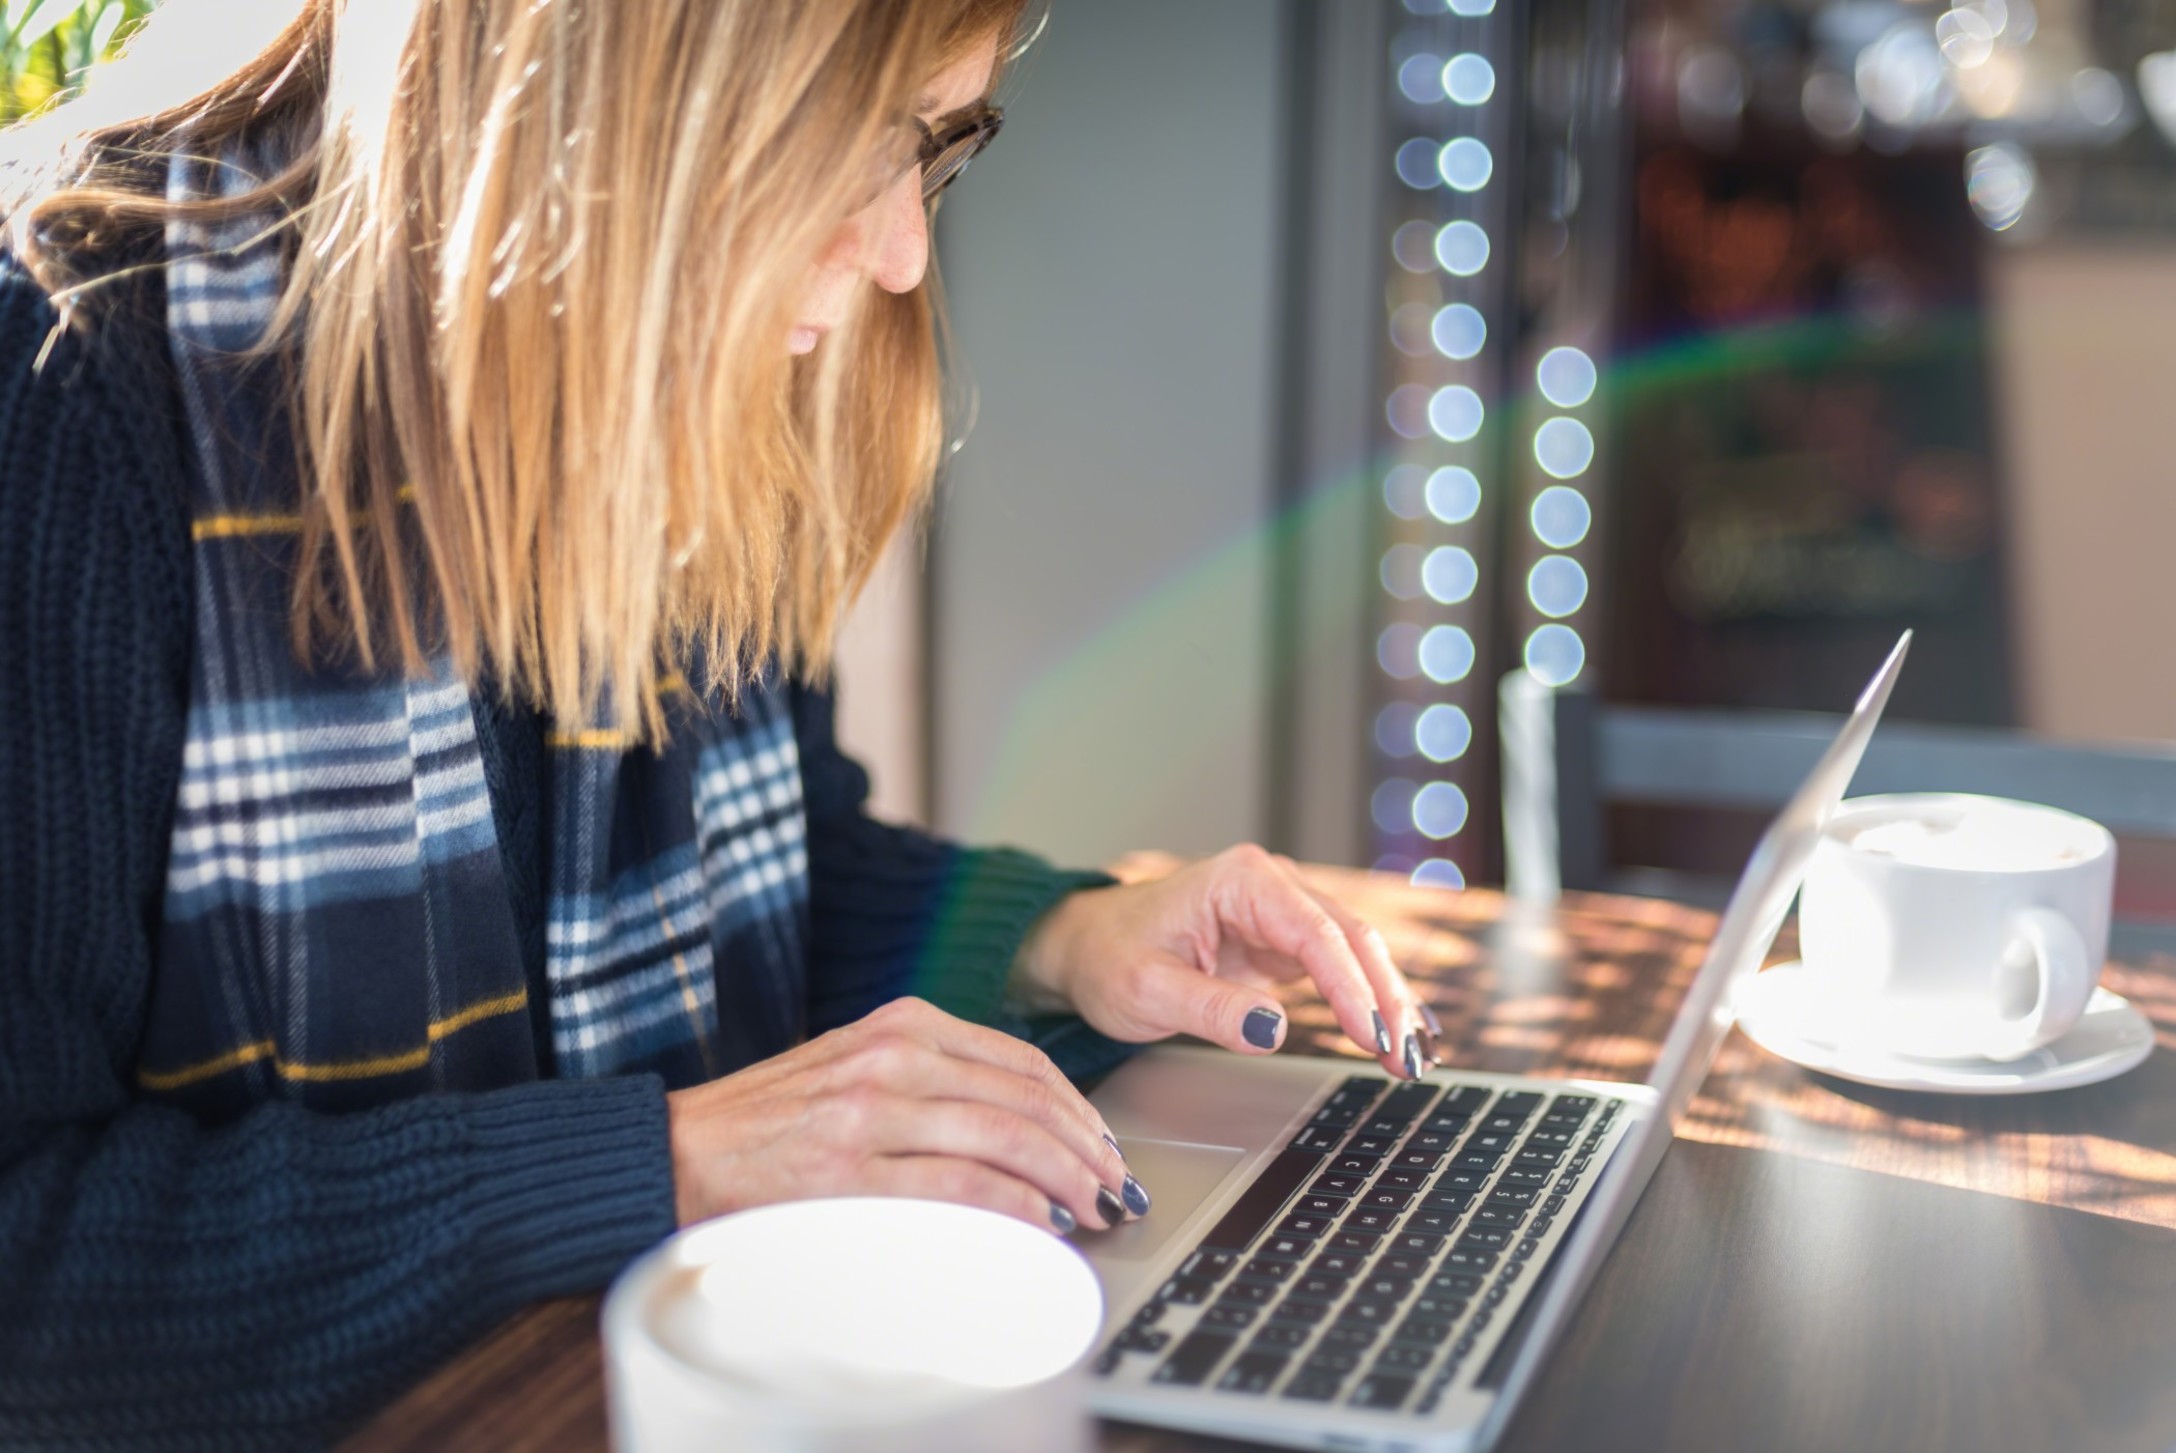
{"x": 1195, "y": 952}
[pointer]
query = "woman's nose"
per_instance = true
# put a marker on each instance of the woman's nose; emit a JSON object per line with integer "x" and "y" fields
{"x": 896, "y": 245}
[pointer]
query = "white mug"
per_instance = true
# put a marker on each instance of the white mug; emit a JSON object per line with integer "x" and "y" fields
{"x": 1958, "y": 927}
{"x": 853, "y": 1325}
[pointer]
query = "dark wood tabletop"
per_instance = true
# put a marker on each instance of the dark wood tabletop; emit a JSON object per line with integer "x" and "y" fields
{"x": 1817, "y": 1265}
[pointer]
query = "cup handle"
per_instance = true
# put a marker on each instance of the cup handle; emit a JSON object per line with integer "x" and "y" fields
{"x": 2065, "y": 980}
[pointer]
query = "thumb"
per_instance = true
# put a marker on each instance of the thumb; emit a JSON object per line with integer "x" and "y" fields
{"x": 1178, "y": 998}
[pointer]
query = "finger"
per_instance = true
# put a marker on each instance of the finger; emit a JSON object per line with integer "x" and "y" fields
{"x": 1170, "y": 996}
{"x": 967, "y": 1183}
{"x": 1395, "y": 998}
{"x": 1001, "y": 1140}
{"x": 928, "y": 1072}
{"x": 1259, "y": 902}
{"x": 975, "y": 1043}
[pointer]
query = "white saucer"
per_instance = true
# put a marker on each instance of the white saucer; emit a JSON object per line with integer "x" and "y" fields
{"x": 1789, "y": 1012}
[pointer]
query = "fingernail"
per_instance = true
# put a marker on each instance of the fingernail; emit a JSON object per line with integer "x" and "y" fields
{"x": 1430, "y": 1049}
{"x": 1109, "y": 1207}
{"x": 1382, "y": 1033}
{"x": 1136, "y": 1197}
{"x": 1428, "y": 1017}
{"x": 1062, "y": 1219}
{"x": 1107, "y": 1140}
{"x": 1260, "y": 1027}
{"x": 1412, "y": 1056}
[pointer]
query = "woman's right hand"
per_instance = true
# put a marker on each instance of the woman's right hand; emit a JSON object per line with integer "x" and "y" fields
{"x": 908, "y": 1101}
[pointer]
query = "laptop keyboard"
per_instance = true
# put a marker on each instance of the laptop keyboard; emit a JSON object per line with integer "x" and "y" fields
{"x": 1368, "y": 1258}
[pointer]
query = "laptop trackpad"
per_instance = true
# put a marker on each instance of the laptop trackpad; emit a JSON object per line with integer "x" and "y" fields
{"x": 1180, "y": 1177}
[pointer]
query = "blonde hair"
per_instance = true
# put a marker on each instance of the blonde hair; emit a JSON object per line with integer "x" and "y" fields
{"x": 544, "y": 256}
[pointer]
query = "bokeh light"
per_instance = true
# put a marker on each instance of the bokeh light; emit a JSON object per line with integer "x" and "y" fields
{"x": 1555, "y": 654}
{"x": 1453, "y": 494}
{"x": 1561, "y": 517}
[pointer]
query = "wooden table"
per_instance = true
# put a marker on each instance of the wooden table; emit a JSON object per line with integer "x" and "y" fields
{"x": 1816, "y": 1266}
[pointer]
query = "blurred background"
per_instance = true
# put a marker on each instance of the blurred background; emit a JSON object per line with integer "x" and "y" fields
{"x": 1331, "y": 358}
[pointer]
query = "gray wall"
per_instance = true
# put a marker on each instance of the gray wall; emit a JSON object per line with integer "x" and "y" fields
{"x": 1101, "y": 554}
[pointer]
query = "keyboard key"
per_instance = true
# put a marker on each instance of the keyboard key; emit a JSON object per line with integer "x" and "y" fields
{"x": 1480, "y": 1320}
{"x": 1356, "y": 1335}
{"x": 1376, "y": 1146}
{"x": 1239, "y": 1226}
{"x": 1368, "y": 1314}
{"x": 1209, "y": 1265}
{"x": 1462, "y": 1258}
{"x": 1337, "y": 1185}
{"x": 1298, "y": 1310}
{"x": 1279, "y": 1335}
{"x": 1427, "y": 1331}
{"x": 1432, "y": 1221}
{"x": 1435, "y": 1307}
{"x": 1571, "y": 1105}
{"x": 1338, "y": 1116}
{"x": 1499, "y": 1215}
{"x": 1407, "y": 1102}
{"x": 1269, "y": 1268}
{"x": 1141, "y": 1339}
{"x": 1359, "y": 1091}
{"x": 1454, "y": 1202}
{"x": 1495, "y": 1142}
{"x": 1194, "y": 1359}
{"x": 1482, "y": 1160}
{"x": 1313, "y": 1205}
{"x": 1458, "y": 1178}
{"x": 1545, "y": 1138}
{"x": 1513, "y": 1198}
{"x": 1186, "y": 1291}
{"x": 1466, "y": 1099}
{"x": 1253, "y": 1372}
{"x": 1339, "y": 1360}
{"x": 1380, "y": 1200}
{"x": 1291, "y": 1248}
{"x": 1318, "y": 1138}
{"x": 1402, "y": 1264}
{"x": 1107, "y": 1361}
{"x": 1313, "y": 1386}
{"x": 1530, "y": 1177}
{"x": 1149, "y": 1315}
{"x": 1511, "y": 1272}
{"x": 1374, "y": 1223}
{"x": 1420, "y": 1160}
{"x": 1362, "y": 1166}
{"x": 1337, "y": 1263}
{"x": 1542, "y": 1226}
{"x": 1404, "y": 1357}
{"x": 1360, "y": 1241}
{"x": 1453, "y": 1282}
{"x": 1303, "y": 1223}
{"x": 1495, "y": 1295}
{"x": 1526, "y": 1249}
{"x": 1385, "y": 1288}
{"x": 1517, "y": 1102}
{"x": 1502, "y": 1124}
{"x": 1402, "y": 1180}
{"x": 1229, "y": 1316}
{"x": 1487, "y": 1238}
{"x": 1382, "y": 1390}
{"x": 1552, "y": 1206}
{"x": 1248, "y": 1293}
{"x": 1315, "y": 1287}
{"x": 1416, "y": 1242}
{"x": 1435, "y": 1142}
{"x": 1560, "y": 1120}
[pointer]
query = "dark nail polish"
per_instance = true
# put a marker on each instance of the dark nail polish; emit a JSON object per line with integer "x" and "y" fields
{"x": 1062, "y": 1219}
{"x": 1260, "y": 1028}
{"x": 1109, "y": 1207}
{"x": 1412, "y": 1056}
{"x": 1430, "y": 1049}
{"x": 1136, "y": 1197}
{"x": 1114, "y": 1145}
{"x": 1382, "y": 1033}
{"x": 1428, "y": 1017}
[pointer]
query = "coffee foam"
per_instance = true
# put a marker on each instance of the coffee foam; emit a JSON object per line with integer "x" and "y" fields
{"x": 1986, "y": 840}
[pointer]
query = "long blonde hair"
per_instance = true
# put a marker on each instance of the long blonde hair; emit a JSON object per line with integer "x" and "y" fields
{"x": 544, "y": 258}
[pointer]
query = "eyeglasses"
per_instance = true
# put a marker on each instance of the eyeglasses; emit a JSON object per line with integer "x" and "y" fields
{"x": 943, "y": 155}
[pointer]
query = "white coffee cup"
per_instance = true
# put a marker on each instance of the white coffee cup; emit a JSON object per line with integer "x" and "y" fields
{"x": 838, "y": 1326}
{"x": 1958, "y": 927}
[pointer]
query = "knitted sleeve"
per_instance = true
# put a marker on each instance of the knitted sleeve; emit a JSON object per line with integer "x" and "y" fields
{"x": 165, "y": 1283}
{"x": 896, "y": 912}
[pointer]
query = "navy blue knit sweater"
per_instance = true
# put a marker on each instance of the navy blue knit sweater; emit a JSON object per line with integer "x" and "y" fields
{"x": 266, "y": 1281}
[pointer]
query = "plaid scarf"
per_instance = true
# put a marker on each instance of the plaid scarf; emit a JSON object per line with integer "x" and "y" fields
{"x": 338, "y": 927}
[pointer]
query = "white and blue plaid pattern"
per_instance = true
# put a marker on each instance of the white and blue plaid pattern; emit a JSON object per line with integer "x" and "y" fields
{"x": 338, "y": 925}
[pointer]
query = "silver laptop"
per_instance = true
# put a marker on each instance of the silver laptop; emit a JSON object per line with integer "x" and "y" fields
{"x": 1339, "y": 1259}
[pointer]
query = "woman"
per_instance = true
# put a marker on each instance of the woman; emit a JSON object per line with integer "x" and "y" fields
{"x": 440, "y": 452}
